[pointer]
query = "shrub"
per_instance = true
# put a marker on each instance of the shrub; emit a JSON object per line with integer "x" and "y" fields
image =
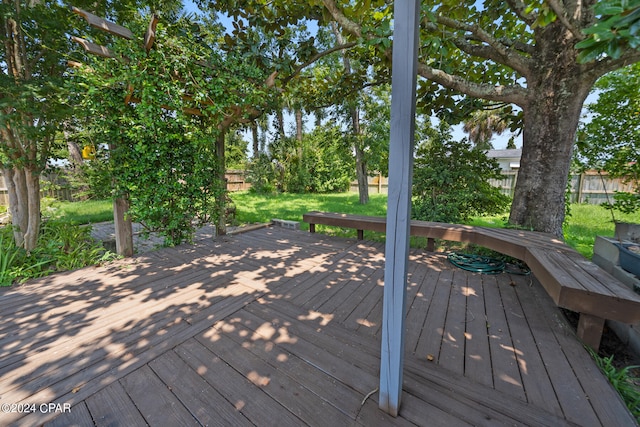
{"x": 451, "y": 180}
{"x": 62, "y": 246}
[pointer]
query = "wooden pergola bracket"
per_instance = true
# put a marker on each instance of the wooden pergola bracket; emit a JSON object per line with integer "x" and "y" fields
{"x": 93, "y": 48}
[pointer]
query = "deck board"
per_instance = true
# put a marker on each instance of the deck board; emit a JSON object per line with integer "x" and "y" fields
{"x": 252, "y": 402}
{"x": 477, "y": 363}
{"x": 536, "y": 381}
{"x": 113, "y": 406}
{"x": 280, "y": 327}
{"x": 502, "y": 350}
{"x": 204, "y": 402}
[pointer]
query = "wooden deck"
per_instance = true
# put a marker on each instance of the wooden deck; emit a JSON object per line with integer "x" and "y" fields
{"x": 279, "y": 327}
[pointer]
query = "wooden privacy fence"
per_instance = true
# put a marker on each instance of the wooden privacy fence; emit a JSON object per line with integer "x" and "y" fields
{"x": 378, "y": 184}
{"x": 60, "y": 189}
{"x": 589, "y": 187}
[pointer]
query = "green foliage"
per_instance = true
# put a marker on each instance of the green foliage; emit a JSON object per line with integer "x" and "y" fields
{"x": 610, "y": 139}
{"x": 98, "y": 174}
{"x": 32, "y": 94}
{"x": 156, "y": 152}
{"x": 328, "y": 160}
{"x": 62, "y": 247}
{"x": 376, "y": 127}
{"x": 66, "y": 247}
{"x": 261, "y": 173}
{"x": 320, "y": 163}
{"x": 8, "y": 254}
{"x": 624, "y": 202}
{"x": 622, "y": 380}
{"x": 617, "y": 30}
{"x": 235, "y": 151}
{"x": 451, "y": 180}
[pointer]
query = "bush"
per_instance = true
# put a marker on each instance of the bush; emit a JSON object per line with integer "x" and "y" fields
{"x": 451, "y": 180}
{"x": 321, "y": 163}
{"x": 261, "y": 173}
{"x": 62, "y": 246}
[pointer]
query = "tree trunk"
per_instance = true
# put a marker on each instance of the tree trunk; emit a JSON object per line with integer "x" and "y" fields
{"x": 221, "y": 202}
{"x": 255, "y": 139}
{"x": 23, "y": 187}
{"x": 361, "y": 164}
{"x": 280, "y": 123}
{"x": 551, "y": 119}
{"x": 298, "y": 113}
{"x": 363, "y": 176}
{"x": 75, "y": 153}
{"x": 123, "y": 227}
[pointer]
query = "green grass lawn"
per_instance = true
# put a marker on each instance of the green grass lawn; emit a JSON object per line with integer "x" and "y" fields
{"x": 581, "y": 229}
{"x": 252, "y": 208}
{"x": 86, "y": 212}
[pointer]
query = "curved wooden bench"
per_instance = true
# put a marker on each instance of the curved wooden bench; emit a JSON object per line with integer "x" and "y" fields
{"x": 572, "y": 281}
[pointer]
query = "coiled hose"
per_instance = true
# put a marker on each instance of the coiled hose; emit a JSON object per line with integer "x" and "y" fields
{"x": 485, "y": 264}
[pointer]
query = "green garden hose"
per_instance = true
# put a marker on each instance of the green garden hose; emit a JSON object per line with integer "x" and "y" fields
{"x": 485, "y": 264}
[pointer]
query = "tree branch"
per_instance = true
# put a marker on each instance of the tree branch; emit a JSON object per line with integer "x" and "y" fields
{"x": 561, "y": 13}
{"x": 512, "y": 94}
{"x": 519, "y": 8}
{"x": 607, "y": 65}
{"x": 352, "y": 91}
{"x": 314, "y": 58}
{"x": 348, "y": 25}
{"x": 491, "y": 48}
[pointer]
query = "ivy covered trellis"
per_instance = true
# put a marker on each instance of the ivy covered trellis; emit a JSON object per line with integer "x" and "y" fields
{"x": 163, "y": 104}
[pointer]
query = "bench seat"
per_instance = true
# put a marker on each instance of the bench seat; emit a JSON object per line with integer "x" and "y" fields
{"x": 572, "y": 281}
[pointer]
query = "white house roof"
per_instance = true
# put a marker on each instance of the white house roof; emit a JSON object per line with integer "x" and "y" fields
{"x": 514, "y": 153}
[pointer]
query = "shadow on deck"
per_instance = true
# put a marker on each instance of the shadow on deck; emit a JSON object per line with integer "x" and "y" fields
{"x": 278, "y": 327}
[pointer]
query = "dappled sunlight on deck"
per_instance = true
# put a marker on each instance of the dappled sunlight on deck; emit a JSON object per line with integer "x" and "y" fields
{"x": 284, "y": 326}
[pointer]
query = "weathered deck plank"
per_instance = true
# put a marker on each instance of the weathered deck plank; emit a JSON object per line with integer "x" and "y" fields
{"x": 533, "y": 372}
{"x": 477, "y": 363}
{"x": 204, "y": 402}
{"x": 502, "y": 350}
{"x": 113, "y": 406}
{"x": 250, "y": 400}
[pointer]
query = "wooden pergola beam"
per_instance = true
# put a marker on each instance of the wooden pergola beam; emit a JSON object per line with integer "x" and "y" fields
{"x": 103, "y": 24}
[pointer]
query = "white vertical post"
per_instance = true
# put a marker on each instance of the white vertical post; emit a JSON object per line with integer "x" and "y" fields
{"x": 403, "y": 107}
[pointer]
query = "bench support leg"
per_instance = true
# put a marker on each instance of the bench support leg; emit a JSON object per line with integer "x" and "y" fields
{"x": 431, "y": 244}
{"x": 312, "y": 228}
{"x": 590, "y": 330}
{"x": 360, "y": 234}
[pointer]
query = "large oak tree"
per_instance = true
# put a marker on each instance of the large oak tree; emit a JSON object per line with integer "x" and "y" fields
{"x": 519, "y": 53}
{"x": 514, "y": 53}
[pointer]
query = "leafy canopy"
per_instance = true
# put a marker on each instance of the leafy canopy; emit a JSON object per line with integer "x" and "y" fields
{"x": 610, "y": 139}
